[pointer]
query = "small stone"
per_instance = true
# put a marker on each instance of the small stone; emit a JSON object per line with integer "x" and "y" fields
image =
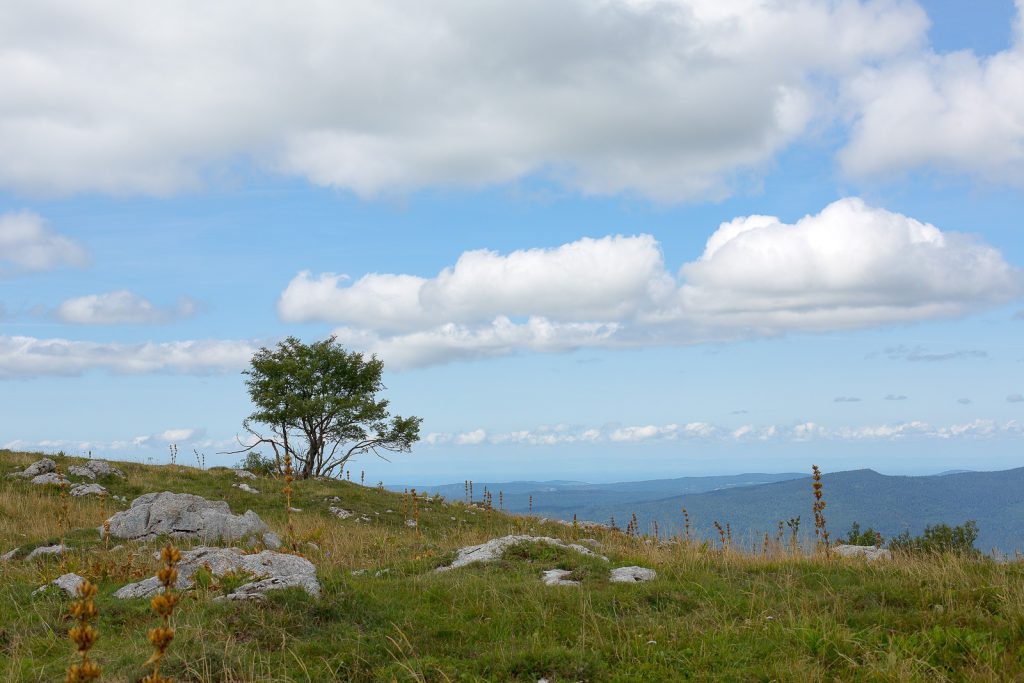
{"x": 46, "y": 550}
{"x": 49, "y": 478}
{"x": 85, "y": 472}
{"x": 631, "y": 575}
{"x": 295, "y": 509}
{"x": 868, "y": 552}
{"x": 80, "y": 490}
{"x": 69, "y": 583}
{"x": 357, "y": 572}
{"x": 245, "y": 474}
{"x": 245, "y": 487}
{"x": 411, "y": 523}
{"x": 340, "y": 513}
{"x": 556, "y": 577}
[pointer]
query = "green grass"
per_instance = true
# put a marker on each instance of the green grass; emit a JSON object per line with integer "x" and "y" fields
{"x": 708, "y": 615}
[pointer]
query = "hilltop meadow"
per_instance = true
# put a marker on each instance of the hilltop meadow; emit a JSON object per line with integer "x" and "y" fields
{"x": 384, "y": 614}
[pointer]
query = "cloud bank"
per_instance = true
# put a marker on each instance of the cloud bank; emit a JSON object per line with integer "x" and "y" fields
{"x": 668, "y": 99}
{"x": 849, "y": 266}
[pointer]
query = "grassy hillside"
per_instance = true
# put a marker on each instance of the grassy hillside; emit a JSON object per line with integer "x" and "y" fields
{"x": 708, "y": 616}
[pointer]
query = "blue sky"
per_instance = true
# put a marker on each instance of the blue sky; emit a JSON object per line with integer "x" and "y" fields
{"x": 598, "y": 242}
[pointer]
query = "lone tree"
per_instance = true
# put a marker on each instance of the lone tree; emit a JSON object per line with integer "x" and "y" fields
{"x": 319, "y": 403}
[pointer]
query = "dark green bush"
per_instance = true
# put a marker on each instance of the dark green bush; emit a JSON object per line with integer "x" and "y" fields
{"x": 939, "y": 538}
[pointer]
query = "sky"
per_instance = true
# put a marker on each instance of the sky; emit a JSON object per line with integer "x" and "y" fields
{"x": 599, "y": 241}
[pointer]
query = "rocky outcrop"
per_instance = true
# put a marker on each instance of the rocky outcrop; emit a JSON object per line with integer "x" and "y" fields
{"x": 43, "y": 466}
{"x": 9, "y": 555}
{"x": 631, "y": 575}
{"x": 79, "y": 490}
{"x": 183, "y": 515}
{"x": 868, "y": 552}
{"x": 50, "y": 478}
{"x": 269, "y": 570}
{"x": 340, "y": 513}
{"x": 495, "y": 548}
{"x": 45, "y": 550}
{"x": 245, "y": 474}
{"x": 102, "y": 468}
{"x": 68, "y": 583}
{"x": 245, "y": 487}
{"x": 84, "y": 472}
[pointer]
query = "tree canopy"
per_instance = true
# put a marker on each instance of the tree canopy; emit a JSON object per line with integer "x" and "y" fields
{"x": 319, "y": 402}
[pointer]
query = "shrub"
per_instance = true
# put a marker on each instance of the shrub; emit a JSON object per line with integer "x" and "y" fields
{"x": 867, "y": 537}
{"x": 940, "y": 538}
{"x": 258, "y": 464}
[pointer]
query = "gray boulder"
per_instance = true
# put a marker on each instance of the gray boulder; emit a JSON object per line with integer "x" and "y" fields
{"x": 84, "y": 472}
{"x": 43, "y": 466}
{"x": 102, "y": 468}
{"x": 45, "y": 550}
{"x": 9, "y": 555}
{"x": 49, "y": 478}
{"x": 340, "y": 513}
{"x": 69, "y": 583}
{"x": 495, "y": 548}
{"x": 245, "y": 487}
{"x": 631, "y": 575}
{"x": 79, "y": 490}
{"x": 868, "y": 552}
{"x": 245, "y": 474}
{"x": 270, "y": 570}
{"x": 183, "y": 515}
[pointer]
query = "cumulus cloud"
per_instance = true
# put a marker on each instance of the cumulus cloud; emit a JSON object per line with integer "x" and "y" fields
{"x": 24, "y": 357}
{"x": 957, "y": 112}
{"x": 848, "y": 266}
{"x": 472, "y": 438}
{"x": 120, "y": 307}
{"x": 27, "y": 244}
{"x": 665, "y": 98}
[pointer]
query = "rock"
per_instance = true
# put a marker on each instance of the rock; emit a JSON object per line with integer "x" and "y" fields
{"x": 183, "y": 515}
{"x": 632, "y": 575}
{"x": 270, "y": 571}
{"x": 294, "y": 509}
{"x": 9, "y": 555}
{"x": 85, "y": 472}
{"x": 50, "y": 478}
{"x": 869, "y": 552}
{"x": 102, "y": 468}
{"x": 495, "y": 548}
{"x": 245, "y": 474}
{"x": 88, "y": 490}
{"x": 69, "y": 583}
{"x": 411, "y": 523}
{"x": 46, "y": 550}
{"x": 43, "y": 466}
{"x": 340, "y": 513}
{"x": 556, "y": 577}
{"x": 245, "y": 487}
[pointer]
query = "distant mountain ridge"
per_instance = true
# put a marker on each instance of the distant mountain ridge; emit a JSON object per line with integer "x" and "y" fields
{"x": 754, "y": 503}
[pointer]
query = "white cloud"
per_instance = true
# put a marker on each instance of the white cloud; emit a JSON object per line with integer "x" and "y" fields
{"x": 477, "y": 436}
{"x": 181, "y": 434}
{"x": 956, "y": 112}
{"x": 665, "y": 98}
{"x": 27, "y": 244}
{"x": 849, "y": 266}
{"x": 23, "y": 357}
{"x": 119, "y": 307}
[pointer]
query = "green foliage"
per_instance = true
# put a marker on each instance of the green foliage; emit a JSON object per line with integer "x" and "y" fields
{"x": 866, "y": 537}
{"x": 939, "y": 538}
{"x": 258, "y": 464}
{"x": 320, "y": 403}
